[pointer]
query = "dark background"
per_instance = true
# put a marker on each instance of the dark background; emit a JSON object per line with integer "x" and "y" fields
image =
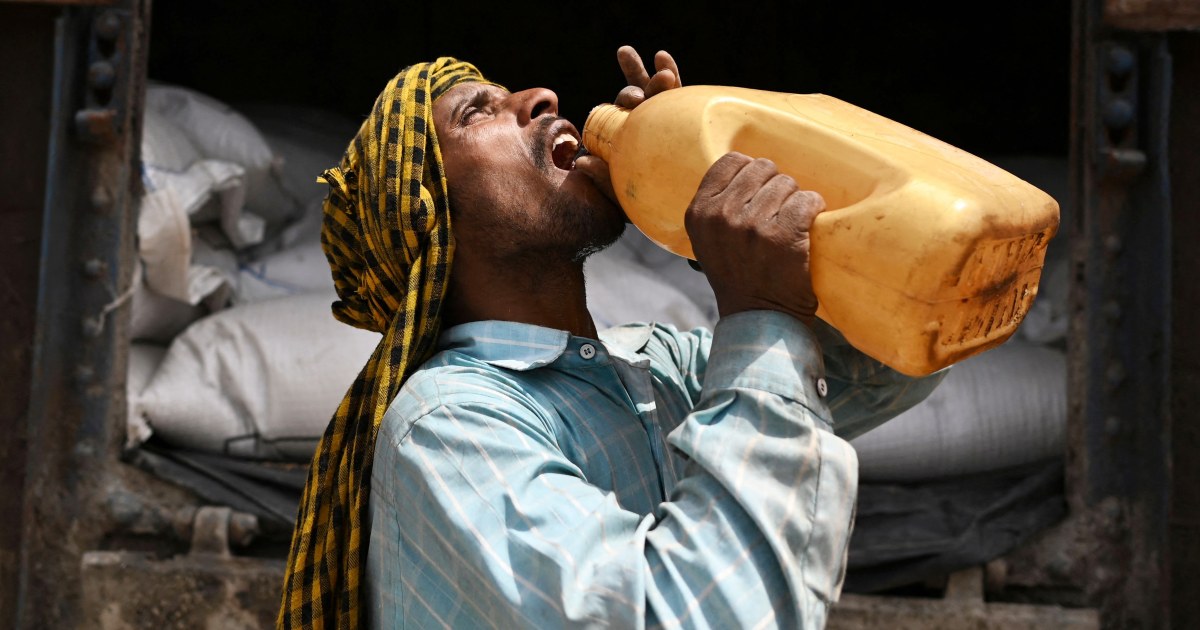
{"x": 990, "y": 78}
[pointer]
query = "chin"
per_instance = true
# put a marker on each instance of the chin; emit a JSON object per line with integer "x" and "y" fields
{"x": 599, "y": 244}
{"x": 586, "y": 220}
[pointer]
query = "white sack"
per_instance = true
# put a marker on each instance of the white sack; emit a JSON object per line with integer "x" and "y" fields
{"x": 309, "y": 140}
{"x": 219, "y": 132}
{"x": 158, "y": 318}
{"x": 259, "y": 381}
{"x": 631, "y": 282}
{"x": 165, "y": 243}
{"x": 672, "y": 269}
{"x": 307, "y": 228}
{"x": 165, "y": 147}
{"x": 144, "y": 359}
{"x": 204, "y": 188}
{"x": 302, "y": 269}
{"x": 1002, "y": 408}
{"x": 176, "y": 264}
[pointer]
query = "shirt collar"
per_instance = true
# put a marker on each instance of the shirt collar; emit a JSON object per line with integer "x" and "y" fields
{"x": 626, "y": 342}
{"x": 517, "y": 346}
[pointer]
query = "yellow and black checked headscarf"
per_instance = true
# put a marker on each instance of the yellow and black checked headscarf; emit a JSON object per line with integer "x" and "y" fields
{"x": 387, "y": 237}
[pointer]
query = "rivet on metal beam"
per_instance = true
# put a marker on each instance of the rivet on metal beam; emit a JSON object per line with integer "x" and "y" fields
{"x": 101, "y": 75}
{"x": 1120, "y": 61}
{"x": 97, "y": 126}
{"x": 108, "y": 26}
{"x": 1112, "y": 426}
{"x": 101, "y": 199}
{"x": 94, "y": 268}
{"x": 1112, "y": 244}
{"x": 84, "y": 373}
{"x": 1122, "y": 164}
{"x": 1112, "y": 310}
{"x": 92, "y": 327}
{"x": 1118, "y": 113}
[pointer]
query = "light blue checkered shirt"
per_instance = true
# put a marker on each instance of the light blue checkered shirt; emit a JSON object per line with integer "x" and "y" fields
{"x": 527, "y": 478}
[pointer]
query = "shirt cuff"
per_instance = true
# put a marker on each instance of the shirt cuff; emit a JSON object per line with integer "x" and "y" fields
{"x": 771, "y": 352}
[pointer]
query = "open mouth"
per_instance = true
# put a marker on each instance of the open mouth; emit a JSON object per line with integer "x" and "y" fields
{"x": 565, "y": 147}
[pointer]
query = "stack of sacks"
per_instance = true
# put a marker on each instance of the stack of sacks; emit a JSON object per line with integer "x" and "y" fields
{"x": 258, "y": 380}
{"x": 221, "y": 133}
{"x": 309, "y": 141}
{"x": 239, "y": 226}
{"x": 207, "y": 173}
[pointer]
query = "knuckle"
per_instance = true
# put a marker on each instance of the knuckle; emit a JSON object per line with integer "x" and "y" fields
{"x": 733, "y": 157}
{"x": 785, "y": 181}
{"x": 766, "y": 165}
{"x": 813, "y": 201}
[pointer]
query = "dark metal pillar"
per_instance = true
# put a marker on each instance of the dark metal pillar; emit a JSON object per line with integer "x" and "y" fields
{"x": 1185, "y": 331}
{"x": 26, "y": 34}
{"x": 79, "y": 352}
{"x": 1120, "y": 423}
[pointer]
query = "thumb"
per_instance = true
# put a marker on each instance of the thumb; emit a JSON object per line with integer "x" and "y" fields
{"x": 597, "y": 169}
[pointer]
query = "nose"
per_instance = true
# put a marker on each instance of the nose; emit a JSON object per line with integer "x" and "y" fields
{"x": 533, "y": 103}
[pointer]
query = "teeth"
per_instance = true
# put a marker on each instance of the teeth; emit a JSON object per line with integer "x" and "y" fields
{"x": 565, "y": 137}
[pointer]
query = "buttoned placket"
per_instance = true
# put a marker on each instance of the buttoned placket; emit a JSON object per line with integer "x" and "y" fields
{"x": 635, "y": 379}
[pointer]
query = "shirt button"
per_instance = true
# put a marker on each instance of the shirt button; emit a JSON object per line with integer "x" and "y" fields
{"x": 587, "y": 351}
{"x": 822, "y": 388}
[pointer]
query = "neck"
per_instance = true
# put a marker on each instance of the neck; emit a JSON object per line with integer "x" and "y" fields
{"x": 530, "y": 291}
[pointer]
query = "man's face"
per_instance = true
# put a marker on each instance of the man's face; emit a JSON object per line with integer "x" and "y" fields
{"x": 509, "y": 161}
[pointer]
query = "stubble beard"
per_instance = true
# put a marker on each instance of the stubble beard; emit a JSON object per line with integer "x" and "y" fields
{"x": 582, "y": 229}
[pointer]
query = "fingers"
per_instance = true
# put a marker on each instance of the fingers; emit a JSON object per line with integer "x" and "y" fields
{"x": 597, "y": 170}
{"x": 749, "y": 181}
{"x": 725, "y": 189}
{"x": 630, "y": 96}
{"x": 632, "y": 66}
{"x": 769, "y": 200}
{"x": 805, "y": 205}
{"x": 666, "y": 71}
{"x": 664, "y": 61}
{"x": 721, "y": 173}
{"x": 662, "y": 81}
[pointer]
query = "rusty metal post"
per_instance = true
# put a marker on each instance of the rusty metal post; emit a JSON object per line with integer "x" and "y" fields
{"x": 80, "y": 347}
{"x": 1119, "y": 426}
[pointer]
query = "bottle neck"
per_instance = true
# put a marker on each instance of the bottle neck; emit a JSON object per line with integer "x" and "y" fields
{"x": 601, "y": 128}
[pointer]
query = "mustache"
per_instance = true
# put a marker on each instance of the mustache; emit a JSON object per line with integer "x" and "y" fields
{"x": 539, "y": 140}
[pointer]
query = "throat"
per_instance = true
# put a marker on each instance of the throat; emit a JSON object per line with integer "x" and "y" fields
{"x": 530, "y": 292}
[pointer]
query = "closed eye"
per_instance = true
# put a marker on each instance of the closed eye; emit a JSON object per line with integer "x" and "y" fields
{"x": 475, "y": 107}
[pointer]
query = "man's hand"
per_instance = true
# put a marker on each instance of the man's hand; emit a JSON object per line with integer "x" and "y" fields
{"x": 749, "y": 229}
{"x": 641, "y": 87}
